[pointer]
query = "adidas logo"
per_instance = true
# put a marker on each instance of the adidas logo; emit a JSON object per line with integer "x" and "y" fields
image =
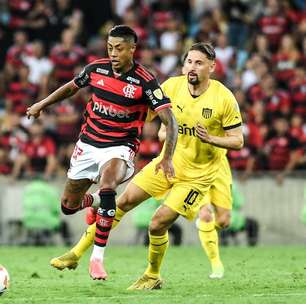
{"x": 100, "y": 82}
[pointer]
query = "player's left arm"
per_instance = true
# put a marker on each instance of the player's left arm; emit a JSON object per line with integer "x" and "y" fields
{"x": 169, "y": 121}
{"x": 161, "y": 105}
{"x": 232, "y": 139}
{"x": 230, "y": 122}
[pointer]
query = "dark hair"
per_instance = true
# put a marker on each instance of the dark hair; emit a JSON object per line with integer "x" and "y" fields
{"x": 203, "y": 47}
{"x": 124, "y": 32}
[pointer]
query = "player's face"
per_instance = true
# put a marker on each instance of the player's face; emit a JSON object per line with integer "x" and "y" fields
{"x": 120, "y": 52}
{"x": 197, "y": 67}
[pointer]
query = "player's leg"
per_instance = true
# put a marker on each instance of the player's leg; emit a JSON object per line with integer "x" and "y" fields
{"x": 213, "y": 219}
{"x": 208, "y": 235}
{"x": 112, "y": 174}
{"x": 125, "y": 203}
{"x": 162, "y": 220}
{"x": 72, "y": 199}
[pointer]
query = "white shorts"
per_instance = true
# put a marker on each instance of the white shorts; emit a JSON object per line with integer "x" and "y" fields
{"x": 87, "y": 161}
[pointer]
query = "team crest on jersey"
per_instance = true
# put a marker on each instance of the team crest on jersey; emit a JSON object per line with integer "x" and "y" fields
{"x": 129, "y": 91}
{"x": 206, "y": 113}
{"x": 158, "y": 94}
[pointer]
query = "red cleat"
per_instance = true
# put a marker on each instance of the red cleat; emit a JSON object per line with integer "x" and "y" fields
{"x": 96, "y": 270}
{"x": 91, "y": 215}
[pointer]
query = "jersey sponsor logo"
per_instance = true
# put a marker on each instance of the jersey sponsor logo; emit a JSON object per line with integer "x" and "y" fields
{"x": 158, "y": 94}
{"x": 109, "y": 111}
{"x": 185, "y": 130}
{"x": 129, "y": 91}
{"x": 132, "y": 79}
{"x": 100, "y": 82}
{"x": 206, "y": 113}
{"x": 151, "y": 97}
{"x": 102, "y": 71}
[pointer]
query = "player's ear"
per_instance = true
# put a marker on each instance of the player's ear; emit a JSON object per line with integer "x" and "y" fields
{"x": 132, "y": 48}
{"x": 212, "y": 66}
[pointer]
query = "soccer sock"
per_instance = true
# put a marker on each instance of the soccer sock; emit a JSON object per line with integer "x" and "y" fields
{"x": 85, "y": 242}
{"x": 104, "y": 221}
{"x": 91, "y": 200}
{"x": 209, "y": 240}
{"x": 88, "y": 237}
{"x": 118, "y": 216}
{"x": 157, "y": 249}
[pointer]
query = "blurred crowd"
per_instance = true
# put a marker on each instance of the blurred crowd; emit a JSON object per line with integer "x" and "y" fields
{"x": 261, "y": 57}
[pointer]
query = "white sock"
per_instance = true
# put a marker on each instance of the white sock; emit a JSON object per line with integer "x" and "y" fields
{"x": 96, "y": 200}
{"x": 97, "y": 253}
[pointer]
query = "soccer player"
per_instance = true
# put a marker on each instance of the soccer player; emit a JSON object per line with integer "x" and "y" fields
{"x": 122, "y": 93}
{"x": 209, "y": 123}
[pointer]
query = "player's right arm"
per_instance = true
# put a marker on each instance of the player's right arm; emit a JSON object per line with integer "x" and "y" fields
{"x": 60, "y": 94}
{"x": 69, "y": 89}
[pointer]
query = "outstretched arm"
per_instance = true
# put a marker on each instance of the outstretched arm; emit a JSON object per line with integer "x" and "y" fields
{"x": 61, "y": 93}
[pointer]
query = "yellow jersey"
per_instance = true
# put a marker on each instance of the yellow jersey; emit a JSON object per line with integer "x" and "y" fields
{"x": 216, "y": 109}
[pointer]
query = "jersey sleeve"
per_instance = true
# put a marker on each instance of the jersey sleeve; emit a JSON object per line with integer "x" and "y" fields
{"x": 231, "y": 117}
{"x": 83, "y": 78}
{"x": 155, "y": 96}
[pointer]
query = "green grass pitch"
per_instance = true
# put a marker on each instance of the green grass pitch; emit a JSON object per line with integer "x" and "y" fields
{"x": 253, "y": 275}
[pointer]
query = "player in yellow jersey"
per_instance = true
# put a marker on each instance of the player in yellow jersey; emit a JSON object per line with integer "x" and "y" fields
{"x": 209, "y": 123}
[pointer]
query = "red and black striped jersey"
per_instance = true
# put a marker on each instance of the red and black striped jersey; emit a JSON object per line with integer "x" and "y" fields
{"x": 118, "y": 107}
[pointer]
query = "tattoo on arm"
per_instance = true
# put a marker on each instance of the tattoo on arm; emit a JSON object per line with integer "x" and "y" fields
{"x": 169, "y": 121}
{"x": 61, "y": 93}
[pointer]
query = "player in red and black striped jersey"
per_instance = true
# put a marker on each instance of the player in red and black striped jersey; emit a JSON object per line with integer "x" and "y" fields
{"x": 122, "y": 94}
{"x": 119, "y": 104}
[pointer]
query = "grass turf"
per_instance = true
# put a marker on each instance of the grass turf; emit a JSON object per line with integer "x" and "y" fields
{"x": 253, "y": 275}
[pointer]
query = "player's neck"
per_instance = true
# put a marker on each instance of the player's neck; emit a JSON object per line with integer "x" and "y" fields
{"x": 199, "y": 89}
{"x": 124, "y": 69}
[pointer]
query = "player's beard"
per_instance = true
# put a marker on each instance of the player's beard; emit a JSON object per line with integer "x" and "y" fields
{"x": 194, "y": 80}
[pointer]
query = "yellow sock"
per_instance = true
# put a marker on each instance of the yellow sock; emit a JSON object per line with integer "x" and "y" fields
{"x": 88, "y": 237}
{"x": 210, "y": 242}
{"x": 86, "y": 241}
{"x": 118, "y": 216}
{"x": 157, "y": 249}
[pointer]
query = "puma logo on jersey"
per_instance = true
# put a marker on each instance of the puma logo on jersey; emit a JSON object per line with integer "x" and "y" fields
{"x": 180, "y": 108}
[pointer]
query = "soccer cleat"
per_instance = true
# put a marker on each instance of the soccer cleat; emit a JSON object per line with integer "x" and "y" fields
{"x": 217, "y": 272}
{"x": 146, "y": 283}
{"x": 96, "y": 270}
{"x": 68, "y": 260}
{"x": 91, "y": 215}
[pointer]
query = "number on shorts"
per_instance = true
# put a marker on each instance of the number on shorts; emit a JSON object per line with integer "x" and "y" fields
{"x": 77, "y": 152}
{"x": 191, "y": 197}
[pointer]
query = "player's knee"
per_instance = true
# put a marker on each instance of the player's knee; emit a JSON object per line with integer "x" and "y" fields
{"x": 205, "y": 215}
{"x": 108, "y": 179}
{"x": 68, "y": 206}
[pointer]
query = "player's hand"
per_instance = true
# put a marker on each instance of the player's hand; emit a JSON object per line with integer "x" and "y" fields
{"x": 202, "y": 133}
{"x": 166, "y": 166}
{"x": 34, "y": 110}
